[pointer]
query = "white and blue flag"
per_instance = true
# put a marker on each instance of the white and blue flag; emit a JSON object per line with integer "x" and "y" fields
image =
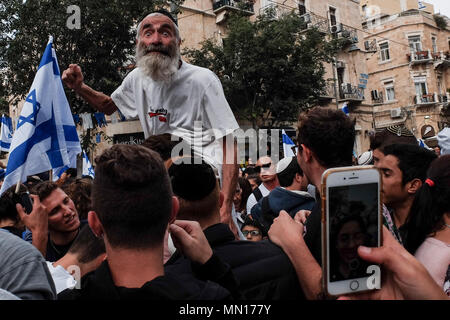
{"x": 421, "y": 5}
{"x": 6, "y": 133}
{"x": 88, "y": 170}
{"x": 45, "y": 133}
{"x": 288, "y": 144}
{"x": 345, "y": 108}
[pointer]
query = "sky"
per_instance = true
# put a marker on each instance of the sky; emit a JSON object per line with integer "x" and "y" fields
{"x": 442, "y": 6}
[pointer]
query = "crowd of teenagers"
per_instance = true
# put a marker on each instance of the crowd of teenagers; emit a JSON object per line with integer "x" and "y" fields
{"x": 161, "y": 222}
{"x": 149, "y": 226}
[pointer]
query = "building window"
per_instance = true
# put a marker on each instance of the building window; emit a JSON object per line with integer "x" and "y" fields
{"x": 390, "y": 92}
{"x": 364, "y": 10}
{"x": 434, "y": 44}
{"x": 301, "y": 7}
{"x": 384, "y": 51}
{"x": 333, "y": 20}
{"x": 414, "y": 43}
{"x": 420, "y": 84}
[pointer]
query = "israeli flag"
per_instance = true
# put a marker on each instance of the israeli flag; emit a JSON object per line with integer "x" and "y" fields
{"x": 5, "y": 133}
{"x": 88, "y": 170}
{"x": 345, "y": 108}
{"x": 421, "y": 5}
{"x": 45, "y": 132}
{"x": 288, "y": 144}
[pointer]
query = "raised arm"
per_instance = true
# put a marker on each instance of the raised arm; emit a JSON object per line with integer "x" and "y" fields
{"x": 73, "y": 78}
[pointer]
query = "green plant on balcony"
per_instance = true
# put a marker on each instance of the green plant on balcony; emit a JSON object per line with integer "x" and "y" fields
{"x": 440, "y": 21}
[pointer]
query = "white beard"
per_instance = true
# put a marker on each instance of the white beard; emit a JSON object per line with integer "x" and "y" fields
{"x": 159, "y": 67}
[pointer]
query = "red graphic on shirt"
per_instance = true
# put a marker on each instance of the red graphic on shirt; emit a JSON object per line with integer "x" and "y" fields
{"x": 160, "y": 113}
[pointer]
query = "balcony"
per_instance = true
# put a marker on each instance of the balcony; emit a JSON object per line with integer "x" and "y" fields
{"x": 329, "y": 92}
{"x": 441, "y": 59}
{"x": 311, "y": 20}
{"x": 426, "y": 99}
{"x": 274, "y": 11}
{"x": 349, "y": 92}
{"x": 242, "y": 6}
{"x": 418, "y": 57}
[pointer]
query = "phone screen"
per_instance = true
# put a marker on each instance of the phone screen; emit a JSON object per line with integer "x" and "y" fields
{"x": 353, "y": 221}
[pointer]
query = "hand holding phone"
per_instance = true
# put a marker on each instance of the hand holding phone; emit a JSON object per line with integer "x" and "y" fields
{"x": 351, "y": 217}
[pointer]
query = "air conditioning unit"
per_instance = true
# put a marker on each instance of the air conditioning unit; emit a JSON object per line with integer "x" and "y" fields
{"x": 396, "y": 113}
{"x": 306, "y": 18}
{"x": 336, "y": 28}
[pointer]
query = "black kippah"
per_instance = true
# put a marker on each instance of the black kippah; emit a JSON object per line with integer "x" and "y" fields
{"x": 167, "y": 14}
{"x": 192, "y": 179}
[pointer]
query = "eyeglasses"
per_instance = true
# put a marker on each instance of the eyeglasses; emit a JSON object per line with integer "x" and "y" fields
{"x": 265, "y": 166}
{"x": 253, "y": 233}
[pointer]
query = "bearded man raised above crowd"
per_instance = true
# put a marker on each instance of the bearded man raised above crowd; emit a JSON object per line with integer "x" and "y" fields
{"x": 170, "y": 95}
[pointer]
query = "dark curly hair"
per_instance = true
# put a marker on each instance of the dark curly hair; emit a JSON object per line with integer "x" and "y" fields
{"x": 330, "y": 134}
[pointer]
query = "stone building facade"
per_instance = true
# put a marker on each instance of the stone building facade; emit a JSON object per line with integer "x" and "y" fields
{"x": 409, "y": 80}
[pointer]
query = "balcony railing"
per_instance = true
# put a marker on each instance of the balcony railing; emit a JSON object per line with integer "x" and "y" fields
{"x": 329, "y": 91}
{"x": 428, "y": 98}
{"x": 274, "y": 10}
{"x": 351, "y": 92}
{"x": 444, "y": 98}
{"x": 417, "y": 57}
{"x": 244, "y": 6}
{"x": 441, "y": 59}
{"x": 311, "y": 20}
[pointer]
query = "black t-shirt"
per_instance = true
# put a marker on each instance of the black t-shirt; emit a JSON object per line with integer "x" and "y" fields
{"x": 313, "y": 236}
{"x": 55, "y": 252}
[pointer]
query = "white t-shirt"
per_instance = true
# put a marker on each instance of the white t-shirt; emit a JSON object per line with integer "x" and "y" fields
{"x": 63, "y": 280}
{"x": 192, "y": 106}
{"x": 251, "y": 201}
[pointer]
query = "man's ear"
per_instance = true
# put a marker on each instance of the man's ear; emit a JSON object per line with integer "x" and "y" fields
{"x": 413, "y": 186}
{"x": 95, "y": 224}
{"x": 175, "y": 208}
{"x": 307, "y": 153}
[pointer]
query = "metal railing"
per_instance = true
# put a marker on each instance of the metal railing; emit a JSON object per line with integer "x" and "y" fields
{"x": 425, "y": 98}
{"x": 419, "y": 56}
{"x": 240, "y": 5}
{"x": 311, "y": 20}
{"x": 349, "y": 91}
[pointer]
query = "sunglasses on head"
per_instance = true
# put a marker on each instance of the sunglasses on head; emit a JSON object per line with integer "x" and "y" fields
{"x": 265, "y": 166}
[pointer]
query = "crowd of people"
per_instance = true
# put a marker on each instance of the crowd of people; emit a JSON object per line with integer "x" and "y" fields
{"x": 160, "y": 221}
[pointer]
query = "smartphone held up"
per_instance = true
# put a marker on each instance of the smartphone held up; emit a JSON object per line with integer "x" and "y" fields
{"x": 351, "y": 217}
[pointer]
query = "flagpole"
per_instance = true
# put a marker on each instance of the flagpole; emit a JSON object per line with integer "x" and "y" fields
{"x": 50, "y": 175}
{"x": 18, "y": 186}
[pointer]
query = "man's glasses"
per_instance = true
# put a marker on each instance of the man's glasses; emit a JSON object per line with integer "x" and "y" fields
{"x": 253, "y": 233}
{"x": 265, "y": 166}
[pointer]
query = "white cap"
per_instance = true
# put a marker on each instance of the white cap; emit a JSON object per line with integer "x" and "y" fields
{"x": 283, "y": 164}
{"x": 443, "y": 139}
{"x": 365, "y": 158}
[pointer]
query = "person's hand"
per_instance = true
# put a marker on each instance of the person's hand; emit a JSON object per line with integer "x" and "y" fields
{"x": 284, "y": 230}
{"x": 403, "y": 276}
{"x": 73, "y": 77}
{"x": 188, "y": 237}
{"x": 37, "y": 220}
{"x": 301, "y": 216}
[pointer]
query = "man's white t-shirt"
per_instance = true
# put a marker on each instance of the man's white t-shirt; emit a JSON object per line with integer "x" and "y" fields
{"x": 251, "y": 201}
{"x": 192, "y": 106}
{"x": 63, "y": 280}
